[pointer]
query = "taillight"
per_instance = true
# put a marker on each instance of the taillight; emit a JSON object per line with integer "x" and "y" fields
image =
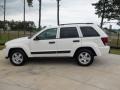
{"x": 105, "y": 40}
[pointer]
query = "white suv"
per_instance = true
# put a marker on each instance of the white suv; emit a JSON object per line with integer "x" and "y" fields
{"x": 80, "y": 41}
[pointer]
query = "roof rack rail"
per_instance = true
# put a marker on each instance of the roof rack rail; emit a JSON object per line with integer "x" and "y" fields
{"x": 76, "y": 23}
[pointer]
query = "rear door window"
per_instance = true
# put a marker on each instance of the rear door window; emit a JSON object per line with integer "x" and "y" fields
{"x": 68, "y": 32}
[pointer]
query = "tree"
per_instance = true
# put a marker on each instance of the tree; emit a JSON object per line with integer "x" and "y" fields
{"x": 24, "y": 17}
{"x": 58, "y": 12}
{"x": 30, "y": 2}
{"x": 107, "y": 9}
{"x": 19, "y": 25}
{"x": 4, "y": 7}
{"x": 40, "y": 3}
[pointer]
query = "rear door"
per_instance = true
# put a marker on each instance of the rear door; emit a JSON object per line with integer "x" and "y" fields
{"x": 67, "y": 41}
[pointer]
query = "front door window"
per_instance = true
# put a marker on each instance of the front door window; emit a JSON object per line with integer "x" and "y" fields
{"x": 48, "y": 34}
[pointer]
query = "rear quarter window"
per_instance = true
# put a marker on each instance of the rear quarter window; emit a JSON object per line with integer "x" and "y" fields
{"x": 89, "y": 31}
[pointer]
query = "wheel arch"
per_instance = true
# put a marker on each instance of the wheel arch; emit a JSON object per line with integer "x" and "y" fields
{"x": 17, "y": 48}
{"x": 88, "y": 48}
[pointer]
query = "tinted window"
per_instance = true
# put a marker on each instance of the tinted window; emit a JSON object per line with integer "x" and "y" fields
{"x": 68, "y": 32}
{"x": 89, "y": 32}
{"x": 48, "y": 34}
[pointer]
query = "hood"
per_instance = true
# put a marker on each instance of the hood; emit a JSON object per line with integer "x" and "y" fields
{"x": 19, "y": 40}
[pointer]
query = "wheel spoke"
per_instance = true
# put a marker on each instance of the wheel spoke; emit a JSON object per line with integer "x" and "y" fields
{"x": 82, "y": 55}
{"x": 86, "y": 54}
{"x": 20, "y": 56}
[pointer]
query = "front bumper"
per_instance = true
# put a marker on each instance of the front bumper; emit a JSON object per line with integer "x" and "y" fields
{"x": 6, "y": 51}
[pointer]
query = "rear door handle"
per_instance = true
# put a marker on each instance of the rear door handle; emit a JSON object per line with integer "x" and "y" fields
{"x": 76, "y": 40}
{"x": 52, "y": 42}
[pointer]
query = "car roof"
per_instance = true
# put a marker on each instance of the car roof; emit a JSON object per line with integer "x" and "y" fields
{"x": 71, "y": 25}
{"x": 76, "y": 23}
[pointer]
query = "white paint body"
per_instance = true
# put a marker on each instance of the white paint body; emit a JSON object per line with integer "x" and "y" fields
{"x": 30, "y": 45}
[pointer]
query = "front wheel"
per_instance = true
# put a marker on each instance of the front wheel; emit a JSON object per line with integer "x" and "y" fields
{"x": 18, "y": 57}
{"x": 84, "y": 57}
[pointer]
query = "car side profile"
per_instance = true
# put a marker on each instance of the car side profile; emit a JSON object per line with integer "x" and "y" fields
{"x": 82, "y": 41}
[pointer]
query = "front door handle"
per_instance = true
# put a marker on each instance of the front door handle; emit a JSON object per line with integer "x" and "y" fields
{"x": 76, "y": 40}
{"x": 52, "y": 42}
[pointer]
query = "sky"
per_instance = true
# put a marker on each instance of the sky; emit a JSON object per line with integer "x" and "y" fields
{"x": 71, "y": 11}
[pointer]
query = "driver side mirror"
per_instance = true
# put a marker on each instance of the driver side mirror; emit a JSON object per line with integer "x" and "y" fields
{"x": 36, "y": 38}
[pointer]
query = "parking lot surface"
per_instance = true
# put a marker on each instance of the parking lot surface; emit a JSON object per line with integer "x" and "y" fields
{"x": 61, "y": 74}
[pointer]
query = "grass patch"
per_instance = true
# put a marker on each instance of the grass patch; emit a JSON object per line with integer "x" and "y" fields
{"x": 9, "y": 35}
{"x": 115, "y": 51}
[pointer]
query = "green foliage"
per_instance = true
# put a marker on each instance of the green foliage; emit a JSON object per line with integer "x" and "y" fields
{"x": 30, "y": 2}
{"x": 111, "y": 10}
{"x": 1, "y": 24}
{"x": 58, "y": 0}
{"x": 16, "y": 25}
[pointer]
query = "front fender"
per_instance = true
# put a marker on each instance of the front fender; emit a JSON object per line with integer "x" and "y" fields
{"x": 24, "y": 47}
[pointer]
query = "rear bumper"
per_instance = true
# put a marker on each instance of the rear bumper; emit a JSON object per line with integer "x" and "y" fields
{"x": 104, "y": 50}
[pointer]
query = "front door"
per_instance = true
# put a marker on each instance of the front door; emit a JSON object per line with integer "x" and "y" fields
{"x": 45, "y": 44}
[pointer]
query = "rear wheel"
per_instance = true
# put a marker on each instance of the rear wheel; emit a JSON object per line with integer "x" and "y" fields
{"x": 85, "y": 57}
{"x": 18, "y": 57}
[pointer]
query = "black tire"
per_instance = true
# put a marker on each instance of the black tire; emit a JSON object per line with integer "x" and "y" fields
{"x": 79, "y": 60}
{"x": 23, "y": 60}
